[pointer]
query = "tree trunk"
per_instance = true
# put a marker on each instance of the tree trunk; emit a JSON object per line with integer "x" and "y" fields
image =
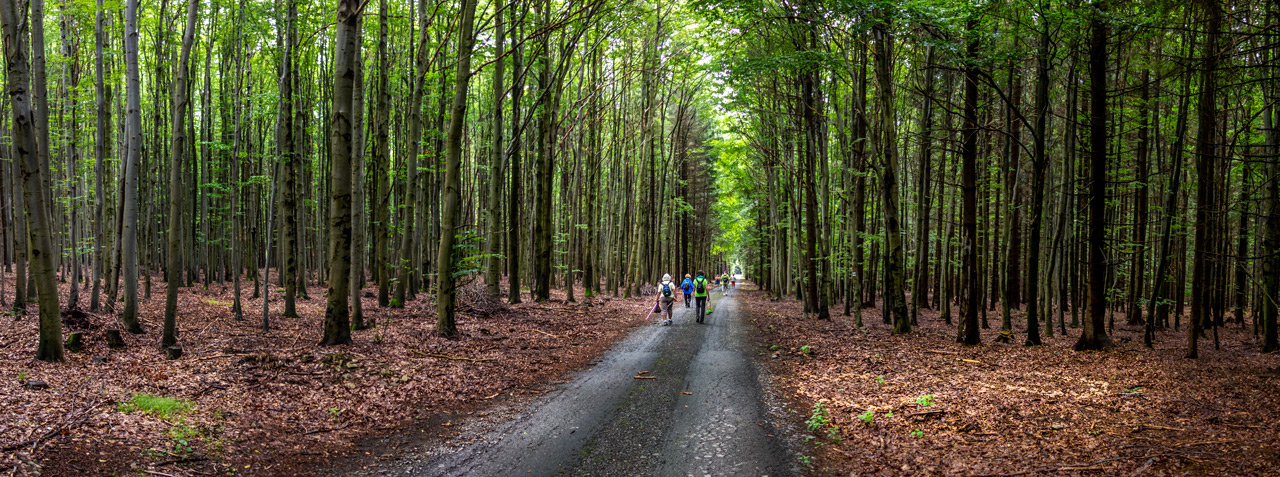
{"x": 357, "y": 188}
{"x": 969, "y": 331}
{"x": 381, "y": 159}
{"x": 133, "y": 129}
{"x": 49, "y": 347}
{"x": 894, "y": 292}
{"x": 514, "y": 198}
{"x": 1207, "y": 201}
{"x": 1037, "y": 183}
{"x": 411, "y": 209}
{"x": 337, "y": 328}
{"x": 1094, "y": 335}
{"x": 498, "y": 159}
{"x": 453, "y": 157}
{"x": 290, "y": 166}
{"x": 179, "y": 115}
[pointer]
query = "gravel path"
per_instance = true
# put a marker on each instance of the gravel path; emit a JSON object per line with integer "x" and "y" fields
{"x": 604, "y": 422}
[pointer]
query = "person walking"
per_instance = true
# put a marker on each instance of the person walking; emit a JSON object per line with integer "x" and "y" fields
{"x": 700, "y": 289}
{"x": 687, "y": 287}
{"x": 667, "y": 297}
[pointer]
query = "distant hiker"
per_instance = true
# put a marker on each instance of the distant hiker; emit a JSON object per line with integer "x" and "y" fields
{"x": 724, "y": 281}
{"x": 687, "y": 287}
{"x": 700, "y": 295}
{"x": 667, "y": 296}
{"x": 733, "y": 281}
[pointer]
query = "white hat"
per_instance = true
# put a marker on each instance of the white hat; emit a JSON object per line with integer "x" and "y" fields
{"x": 666, "y": 277}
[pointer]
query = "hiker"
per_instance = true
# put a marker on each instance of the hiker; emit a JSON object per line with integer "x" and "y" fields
{"x": 687, "y": 287}
{"x": 700, "y": 295}
{"x": 733, "y": 281}
{"x": 667, "y": 296}
{"x": 724, "y": 281}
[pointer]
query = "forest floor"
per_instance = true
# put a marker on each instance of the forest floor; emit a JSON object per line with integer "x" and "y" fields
{"x": 277, "y": 404}
{"x": 1006, "y": 409}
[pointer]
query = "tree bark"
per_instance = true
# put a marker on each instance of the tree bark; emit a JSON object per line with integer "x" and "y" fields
{"x": 1094, "y": 334}
{"x": 337, "y": 328}
{"x": 445, "y": 282}
{"x": 894, "y": 292}
{"x": 179, "y": 116}
{"x": 1207, "y": 201}
{"x": 49, "y": 347}
{"x": 970, "y": 334}
{"x": 133, "y": 130}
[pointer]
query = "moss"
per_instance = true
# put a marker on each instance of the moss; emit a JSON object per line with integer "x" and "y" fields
{"x": 165, "y": 408}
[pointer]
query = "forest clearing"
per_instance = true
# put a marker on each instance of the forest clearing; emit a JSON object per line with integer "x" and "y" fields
{"x": 991, "y": 237}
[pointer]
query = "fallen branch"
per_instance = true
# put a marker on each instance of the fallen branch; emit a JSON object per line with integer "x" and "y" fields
{"x": 1141, "y": 427}
{"x": 949, "y": 353}
{"x": 545, "y": 333}
{"x": 69, "y": 425}
{"x": 645, "y": 377}
{"x": 926, "y": 413}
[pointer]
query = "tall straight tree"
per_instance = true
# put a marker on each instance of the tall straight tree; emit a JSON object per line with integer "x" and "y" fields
{"x": 1040, "y": 131}
{"x": 1271, "y": 238}
{"x": 452, "y": 182}
{"x": 514, "y": 199}
{"x": 40, "y": 245}
{"x": 545, "y": 172}
{"x": 290, "y": 167}
{"x": 337, "y": 328}
{"x": 100, "y": 148}
{"x": 1207, "y": 196}
{"x": 498, "y": 159}
{"x": 411, "y": 176}
{"x": 176, "y": 162}
{"x": 970, "y": 334}
{"x": 381, "y": 162}
{"x": 131, "y": 164}
{"x": 895, "y": 297}
{"x": 357, "y": 189}
{"x": 1094, "y": 334}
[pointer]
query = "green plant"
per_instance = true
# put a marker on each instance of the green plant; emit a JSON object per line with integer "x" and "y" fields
{"x": 805, "y": 460}
{"x": 165, "y": 408}
{"x": 879, "y": 379}
{"x": 867, "y": 417}
{"x": 806, "y": 350}
{"x": 925, "y": 400}
{"x": 22, "y": 375}
{"x": 335, "y": 412}
{"x": 833, "y": 434}
{"x": 819, "y": 418}
{"x": 917, "y": 433}
{"x": 773, "y": 348}
{"x": 182, "y": 436}
{"x": 888, "y": 414}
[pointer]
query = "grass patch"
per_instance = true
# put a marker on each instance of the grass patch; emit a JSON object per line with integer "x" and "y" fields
{"x": 211, "y": 301}
{"x": 165, "y": 408}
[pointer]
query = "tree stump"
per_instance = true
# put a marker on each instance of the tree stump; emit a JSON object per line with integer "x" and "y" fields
{"x": 75, "y": 342}
{"x": 114, "y": 340}
{"x": 173, "y": 352}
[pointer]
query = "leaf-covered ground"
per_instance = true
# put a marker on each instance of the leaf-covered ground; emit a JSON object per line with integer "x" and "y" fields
{"x": 923, "y": 404}
{"x": 277, "y": 404}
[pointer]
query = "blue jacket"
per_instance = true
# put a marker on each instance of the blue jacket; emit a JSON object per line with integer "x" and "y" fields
{"x": 687, "y": 286}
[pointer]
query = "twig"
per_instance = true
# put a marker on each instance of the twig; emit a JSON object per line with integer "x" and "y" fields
{"x": 543, "y": 332}
{"x": 949, "y": 353}
{"x": 1162, "y": 428}
{"x": 161, "y": 474}
{"x": 926, "y": 413}
{"x": 645, "y": 377}
{"x": 1089, "y": 466}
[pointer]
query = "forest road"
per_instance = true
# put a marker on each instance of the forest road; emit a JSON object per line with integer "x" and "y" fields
{"x": 704, "y": 412}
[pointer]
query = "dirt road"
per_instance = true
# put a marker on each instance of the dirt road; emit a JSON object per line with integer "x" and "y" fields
{"x": 703, "y": 412}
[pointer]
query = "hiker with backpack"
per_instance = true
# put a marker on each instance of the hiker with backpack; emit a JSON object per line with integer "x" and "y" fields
{"x": 700, "y": 295}
{"x": 687, "y": 287}
{"x": 667, "y": 297}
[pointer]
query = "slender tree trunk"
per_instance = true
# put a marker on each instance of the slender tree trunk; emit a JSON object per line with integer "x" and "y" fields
{"x": 894, "y": 292}
{"x": 514, "y": 198}
{"x": 133, "y": 129}
{"x": 179, "y": 115}
{"x": 920, "y": 286}
{"x": 337, "y": 328}
{"x": 1094, "y": 335}
{"x": 289, "y": 246}
{"x": 969, "y": 331}
{"x": 411, "y": 209}
{"x": 545, "y": 165}
{"x": 357, "y": 189}
{"x": 1037, "y": 182}
{"x": 1206, "y": 193}
{"x": 381, "y": 160}
{"x": 453, "y": 157}
{"x": 1271, "y": 237}
{"x": 49, "y": 347}
{"x": 498, "y": 159}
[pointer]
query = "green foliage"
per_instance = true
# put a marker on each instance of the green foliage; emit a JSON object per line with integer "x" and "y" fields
{"x": 806, "y": 350}
{"x": 165, "y": 408}
{"x": 879, "y": 379}
{"x": 917, "y": 433}
{"x": 805, "y": 460}
{"x": 868, "y": 417}
{"x": 925, "y": 400}
{"x": 819, "y": 418}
